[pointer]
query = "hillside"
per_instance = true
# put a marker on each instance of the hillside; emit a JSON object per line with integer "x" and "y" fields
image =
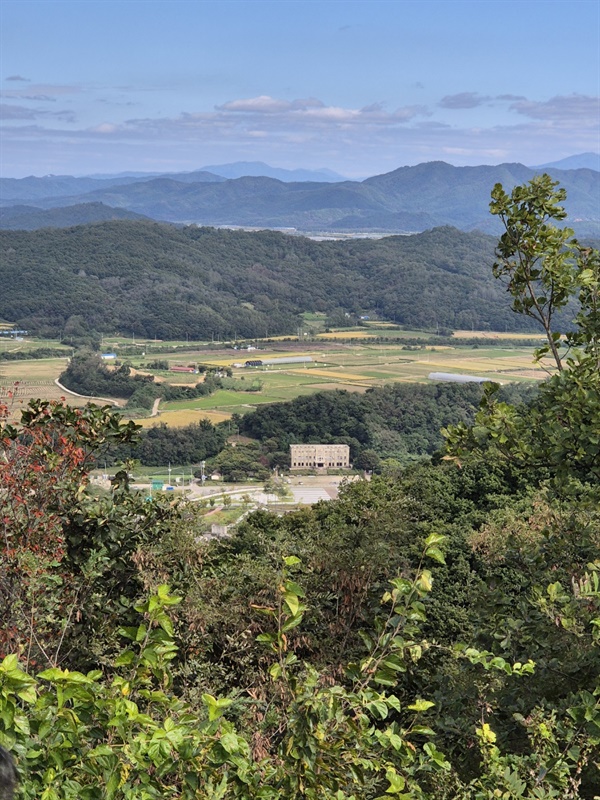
{"x": 408, "y": 199}
{"x": 158, "y": 280}
{"x": 30, "y": 218}
{"x": 578, "y": 161}
{"x": 30, "y": 189}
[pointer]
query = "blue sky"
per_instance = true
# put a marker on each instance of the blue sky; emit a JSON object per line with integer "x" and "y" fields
{"x": 359, "y": 87}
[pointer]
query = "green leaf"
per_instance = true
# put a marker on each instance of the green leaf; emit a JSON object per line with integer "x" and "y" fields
{"x": 268, "y": 638}
{"x": 101, "y": 750}
{"x": 436, "y": 554}
{"x": 422, "y": 730}
{"x": 126, "y": 657}
{"x": 9, "y": 663}
{"x": 215, "y": 707}
{"x": 275, "y": 670}
{"x": 292, "y": 622}
{"x": 421, "y": 705}
{"x": 28, "y": 695}
{"x": 378, "y": 706}
{"x": 397, "y": 782}
{"x": 294, "y": 588}
{"x": 292, "y": 603}
{"x": 229, "y": 742}
{"x": 384, "y": 678}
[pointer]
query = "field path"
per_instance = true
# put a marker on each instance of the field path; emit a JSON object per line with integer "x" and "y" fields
{"x": 154, "y": 412}
{"x": 86, "y": 396}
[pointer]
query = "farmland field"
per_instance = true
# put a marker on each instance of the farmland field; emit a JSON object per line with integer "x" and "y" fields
{"x": 22, "y": 381}
{"x": 348, "y": 364}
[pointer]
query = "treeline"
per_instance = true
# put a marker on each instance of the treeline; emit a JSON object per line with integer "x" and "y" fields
{"x": 191, "y": 444}
{"x": 87, "y": 374}
{"x": 38, "y": 352}
{"x": 398, "y": 421}
{"x": 162, "y": 282}
{"x": 386, "y": 428}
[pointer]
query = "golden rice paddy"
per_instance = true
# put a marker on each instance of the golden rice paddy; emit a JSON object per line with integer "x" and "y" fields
{"x": 347, "y": 335}
{"x": 179, "y": 419}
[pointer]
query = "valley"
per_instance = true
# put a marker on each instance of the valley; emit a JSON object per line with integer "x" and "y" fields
{"x": 352, "y": 360}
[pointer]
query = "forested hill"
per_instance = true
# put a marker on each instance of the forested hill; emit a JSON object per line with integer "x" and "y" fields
{"x": 156, "y": 280}
{"x": 30, "y": 218}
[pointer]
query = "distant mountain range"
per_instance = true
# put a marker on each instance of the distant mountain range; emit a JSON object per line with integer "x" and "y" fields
{"x": 243, "y": 169}
{"x": 580, "y": 161}
{"x": 407, "y": 200}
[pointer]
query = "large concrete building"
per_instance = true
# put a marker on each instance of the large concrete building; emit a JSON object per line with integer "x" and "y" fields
{"x": 319, "y": 456}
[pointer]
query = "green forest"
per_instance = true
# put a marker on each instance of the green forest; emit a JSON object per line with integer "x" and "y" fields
{"x": 432, "y": 634}
{"x": 158, "y": 281}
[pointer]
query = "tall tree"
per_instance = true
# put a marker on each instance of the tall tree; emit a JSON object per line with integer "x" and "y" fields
{"x": 546, "y": 268}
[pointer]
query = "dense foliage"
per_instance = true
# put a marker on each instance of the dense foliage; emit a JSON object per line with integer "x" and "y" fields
{"x": 189, "y": 444}
{"x": 162, "y": 282}
{"x": 38, "y": 352}
{"x": 429, "y": 636}
{"x": 397, "y": 421}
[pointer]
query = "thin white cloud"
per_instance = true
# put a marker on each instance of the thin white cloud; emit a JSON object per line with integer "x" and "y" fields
{"x": 432, "y": 124}
{"x": 307, "y": 102}
{"x": 256, "y": 105}
{"x": 463, "y": 100}
{"x": 570, "y": 109}
{"x": 264, "y": 104}
{"x": 41, "y": 92}
{"x": 312, "y": 111}
{"x": 104, "y": 128}
{"x": 37, "y": 98}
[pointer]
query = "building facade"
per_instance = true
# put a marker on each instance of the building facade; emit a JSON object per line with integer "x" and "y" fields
{"x": 319, "y": 456}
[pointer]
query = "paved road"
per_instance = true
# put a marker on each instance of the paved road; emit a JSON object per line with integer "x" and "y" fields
{"x": 305, "y": 490}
